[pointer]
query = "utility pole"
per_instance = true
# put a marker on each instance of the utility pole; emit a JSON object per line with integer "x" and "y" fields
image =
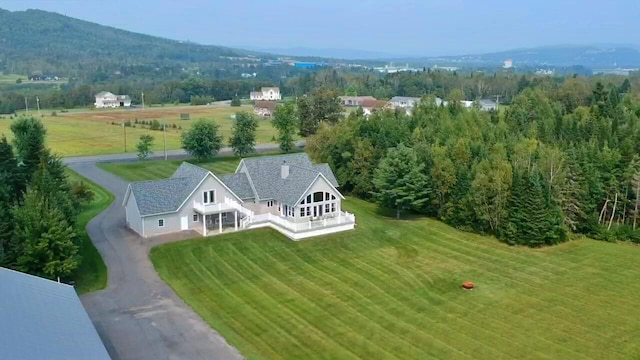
{"x": 26, "y": 104}
{"x": 125, "y": 136}
{"x": 497, "y": 102}
{"x": 143, "y": 101}
{"x": 164, "y": 133}
{"x": 38, "y": 104}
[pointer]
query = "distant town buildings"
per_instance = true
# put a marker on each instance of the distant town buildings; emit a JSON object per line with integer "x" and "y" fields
{"x": 508, "y": 64}
{"x": 105, "y": 99}
{"x": 390, "y": 69}
{"x": 266, "y": 93}
{"x": 248, "y": 75}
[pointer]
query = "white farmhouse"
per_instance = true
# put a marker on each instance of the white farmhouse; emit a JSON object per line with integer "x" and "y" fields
{"x": 266, "y": 93}
{"x": 105, "y": 99}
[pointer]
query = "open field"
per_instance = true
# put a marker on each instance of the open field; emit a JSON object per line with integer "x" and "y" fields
{"x": 391, "y": 289}
{"x": 92, "y": 273}
{"x": 92, "y": 132}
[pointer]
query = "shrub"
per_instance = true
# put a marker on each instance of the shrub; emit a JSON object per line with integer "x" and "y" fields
{"x": 53, "y": 113}
{"x": 81, "y": 192}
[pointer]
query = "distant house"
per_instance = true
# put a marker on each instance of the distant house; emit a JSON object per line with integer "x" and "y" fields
{"x": 266, "y": 93}
{"x": 287, "y": 193}
{"x": 44, "y": 319}
{"x": 487, "y": 105}
{"x": 309, "y": 65}
{"x": 370, "y": 106}
{"x": 355, "y": 100}
{"x": 264, "y": 108}
{"x": 105, "y": 99}
{"x": 404, "y": 102}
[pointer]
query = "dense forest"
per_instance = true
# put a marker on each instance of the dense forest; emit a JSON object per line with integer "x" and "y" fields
{"x": 561, "y": 159}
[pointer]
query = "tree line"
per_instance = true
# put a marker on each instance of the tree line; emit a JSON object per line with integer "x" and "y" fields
{"x": 532, "y": 174}
{"x": 38, "y": 205}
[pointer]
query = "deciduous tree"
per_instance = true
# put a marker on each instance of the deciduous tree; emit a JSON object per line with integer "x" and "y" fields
{"x": 144, "y": 146}
{"x": 243, "y": 138}
{"x": 202, "y": 140}
{"x": 286, "y": 122}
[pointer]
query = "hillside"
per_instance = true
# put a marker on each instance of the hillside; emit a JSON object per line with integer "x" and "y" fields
{"x": 589, "y": 56}
{"x": 36, "y": 41}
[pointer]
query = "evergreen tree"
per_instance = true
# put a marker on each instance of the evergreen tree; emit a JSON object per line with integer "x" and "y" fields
{"x": 532, "y": 220}
{"x": 399, "y": 181}
{"x": 51, "y": 182}
{"x": 243, "y": 138}
{"x": 43, "y": 241}
{"x": 28, "y": 139}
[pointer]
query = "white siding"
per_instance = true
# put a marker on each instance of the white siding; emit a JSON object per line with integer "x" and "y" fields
{"x": 133, "y": 215}
{"x": 172, "y": 220}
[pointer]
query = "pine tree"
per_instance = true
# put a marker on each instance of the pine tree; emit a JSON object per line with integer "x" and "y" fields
{"x": 399, "y": 181}
{"x": 43, "y": 241}
{"x": 28, "y": 139}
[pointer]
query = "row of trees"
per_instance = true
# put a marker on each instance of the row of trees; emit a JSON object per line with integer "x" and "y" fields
{"x": 529, "y": 175}
{"x": 38, "y": 205}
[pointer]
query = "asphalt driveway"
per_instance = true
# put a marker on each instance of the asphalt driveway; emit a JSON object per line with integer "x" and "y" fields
{"x": 138, "y": 316}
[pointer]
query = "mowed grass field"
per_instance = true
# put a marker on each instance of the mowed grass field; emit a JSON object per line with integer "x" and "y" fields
{"x": 92, "y": 133}
{"x": 158, "y": 169}
{"x": 391, "y": 290}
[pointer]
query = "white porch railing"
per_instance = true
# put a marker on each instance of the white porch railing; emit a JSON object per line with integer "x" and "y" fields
{"x": 339, "y": 218}
{"x": 226, "y": 206}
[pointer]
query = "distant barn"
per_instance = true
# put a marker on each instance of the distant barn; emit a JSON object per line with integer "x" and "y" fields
{"x": 185, "y": 117}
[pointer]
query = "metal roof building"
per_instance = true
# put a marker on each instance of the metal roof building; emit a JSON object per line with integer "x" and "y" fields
{"x": 44, "y": 319}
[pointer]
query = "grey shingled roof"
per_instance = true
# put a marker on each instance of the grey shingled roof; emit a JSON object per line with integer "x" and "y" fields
{"x": 43, "y": 319}
{"x": 239, "y": 184}
{"x": 163, "y": 196}
{"x": 264, "y": 173}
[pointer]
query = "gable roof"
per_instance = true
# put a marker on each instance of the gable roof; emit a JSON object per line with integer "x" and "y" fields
{"x": 44, "y": 319}
{"x": 239, "y": 184}
{"x": 269, "y": 105}
{"x": 264, "y": 173}
{"x": 164, "y": 196}
{"x": 405, "y": 99}
{"x": 104, "y": 93}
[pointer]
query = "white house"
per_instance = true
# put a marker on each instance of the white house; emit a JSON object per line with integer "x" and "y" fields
{"x": 355, "y": 100}
{"x": 266, "y": 93}
{"x": 285, "y": 192}
{"x": 105, "y": 99}
{"x": 404, "y": 102}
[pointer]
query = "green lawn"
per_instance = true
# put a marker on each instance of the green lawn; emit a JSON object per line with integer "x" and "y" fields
{"x": 391, "y": 289}
{"x": 159, "y": 169}
{"x": 92, "y": 273}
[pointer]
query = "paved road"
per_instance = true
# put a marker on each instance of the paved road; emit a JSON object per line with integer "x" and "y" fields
{"x": 138, "y": 316}
{"x": 171, "y": 154}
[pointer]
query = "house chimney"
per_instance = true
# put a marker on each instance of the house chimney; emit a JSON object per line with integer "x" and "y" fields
{"x": 284, "y": 170}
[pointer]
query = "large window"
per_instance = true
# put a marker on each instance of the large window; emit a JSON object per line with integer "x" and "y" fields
{"x": 319, "y": 203}
{"x": 209, "y": 197}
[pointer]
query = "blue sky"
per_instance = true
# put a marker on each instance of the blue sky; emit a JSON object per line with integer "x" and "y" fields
{"x": 402, "y": 27}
